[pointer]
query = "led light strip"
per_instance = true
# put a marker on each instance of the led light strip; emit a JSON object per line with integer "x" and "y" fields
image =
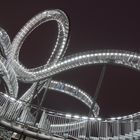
{"x": 12, "y": 70}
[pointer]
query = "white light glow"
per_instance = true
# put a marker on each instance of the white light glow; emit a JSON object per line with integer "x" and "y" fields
{"x": 68, "y": 115}
{"x": 84, "y": 117}
{"x": 119, "y": 118}
{"x": 131, "y": 116}
{"x": 76, "y": 116}
{"x": 6, "y": 95}
{"x": 92, "y": 118}
{"x": 112, "y": 118}
{"x": 99, "y": 119}
{"x": 19, "y": 102}
{"x": 13, "y": 99}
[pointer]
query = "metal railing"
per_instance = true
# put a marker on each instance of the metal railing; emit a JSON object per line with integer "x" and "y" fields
{"x": 58, "y": 124}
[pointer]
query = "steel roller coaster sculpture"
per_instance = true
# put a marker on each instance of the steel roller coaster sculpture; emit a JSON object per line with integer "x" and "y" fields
{"x": 21, "y": 116}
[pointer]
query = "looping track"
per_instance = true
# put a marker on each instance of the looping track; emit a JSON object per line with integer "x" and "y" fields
{"x": 16, "y": 114}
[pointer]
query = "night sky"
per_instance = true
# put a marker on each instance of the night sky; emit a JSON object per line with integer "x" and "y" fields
{"x": 93, "y": 25}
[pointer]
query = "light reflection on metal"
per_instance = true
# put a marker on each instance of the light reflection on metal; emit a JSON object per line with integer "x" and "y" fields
{"x": 17, "y": 114}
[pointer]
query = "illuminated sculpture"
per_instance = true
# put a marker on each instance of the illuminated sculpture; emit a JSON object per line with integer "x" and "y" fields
{"x": 18, "y": 115}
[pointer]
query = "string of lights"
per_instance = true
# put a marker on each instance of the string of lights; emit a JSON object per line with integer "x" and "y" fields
{"x": 21, "y": 116}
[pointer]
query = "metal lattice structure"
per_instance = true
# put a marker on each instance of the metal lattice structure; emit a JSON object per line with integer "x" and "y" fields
{"x": 21, "y": 116}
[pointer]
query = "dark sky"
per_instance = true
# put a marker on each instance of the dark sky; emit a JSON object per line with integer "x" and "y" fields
{"x": 93, "y": 25}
